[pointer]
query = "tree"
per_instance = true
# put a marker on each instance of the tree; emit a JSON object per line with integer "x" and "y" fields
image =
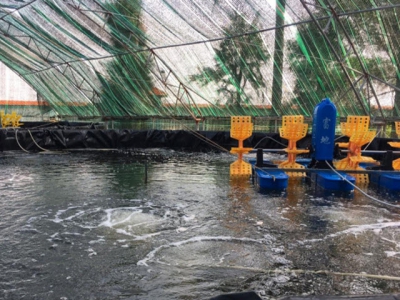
{"x": 127, "y": 89}
{"x": 383, "y": 29}
{"x": 310, "y": 58}
{"x": 278, "y": 55}
{"x": 238, "y": 62}
{"x": 320, "y": 74}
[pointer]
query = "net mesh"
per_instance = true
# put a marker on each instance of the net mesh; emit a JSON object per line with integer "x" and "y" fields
{"x": 127, "y": 59}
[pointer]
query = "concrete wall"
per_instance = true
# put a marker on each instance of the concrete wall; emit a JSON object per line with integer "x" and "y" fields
{"x": 12, "y": 87}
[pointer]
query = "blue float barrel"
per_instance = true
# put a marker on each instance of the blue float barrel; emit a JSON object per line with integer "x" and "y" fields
{"x": 323, "y": 130}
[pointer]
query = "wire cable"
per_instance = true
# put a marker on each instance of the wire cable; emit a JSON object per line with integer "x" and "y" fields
{"x": 300, "y": 271}
{"x": 266, "y": 172}
{"x": 339, "y": 137}
{"x": 35, "y": 142}
{"x": 268, "y": 137}
{"x": 16, "y": 139}
{"x": 202, "y": 137}
{"x": 360, "y": 190}
{"x": 373, "y": 139}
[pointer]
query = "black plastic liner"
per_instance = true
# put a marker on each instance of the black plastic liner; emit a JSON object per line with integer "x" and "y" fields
{"x": 59, "y": 139}
{"x": 199, "y": 141}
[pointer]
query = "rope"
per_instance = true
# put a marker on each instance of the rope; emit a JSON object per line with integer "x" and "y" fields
{"x": 339, "y": 137}
{"x": 16, "y": 138}
{"x": 35, "y": 142}
{"x": 268, "y": 137}
{"x": 265, "y": 171}
{"x": 299, "y": 271}
{"x": 44, "y": 125}
{"x": 373, "y": 139}
{"x": 360, "y": 190}
{"x": 201, "y": 137}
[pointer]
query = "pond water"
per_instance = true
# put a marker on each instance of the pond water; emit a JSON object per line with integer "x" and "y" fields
{"x": 93, "y": 226}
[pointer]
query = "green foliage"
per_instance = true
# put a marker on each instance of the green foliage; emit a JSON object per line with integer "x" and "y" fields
{"x": 127, "y": 88}
{"x": 238, "y": 61}
{"x": 278, "y": 56}
{"x": 313, "y": 62}
{"x": 383, "y": 27}
{"x": 320, "y": 74}
{"x": 91, "y": 58}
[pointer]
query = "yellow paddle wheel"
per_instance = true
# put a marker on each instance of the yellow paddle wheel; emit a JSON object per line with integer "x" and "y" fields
{"x": 10, "y": 120}
{"x": 293, "y": 129}
{"x": 241, "y": 129}
{"x": 396, "y": 163}
{"x": 357, "y": 129}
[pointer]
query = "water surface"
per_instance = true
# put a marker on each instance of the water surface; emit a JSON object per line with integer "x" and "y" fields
{"x": 90, "y": 226}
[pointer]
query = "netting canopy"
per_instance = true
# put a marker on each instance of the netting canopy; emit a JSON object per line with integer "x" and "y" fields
{"x": 126, "y": 59}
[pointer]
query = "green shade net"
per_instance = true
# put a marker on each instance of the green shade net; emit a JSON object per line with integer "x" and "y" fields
{"x": 130, "y": 59}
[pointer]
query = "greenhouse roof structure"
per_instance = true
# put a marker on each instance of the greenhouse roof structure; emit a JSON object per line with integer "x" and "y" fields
{"x": 127, "y": 59}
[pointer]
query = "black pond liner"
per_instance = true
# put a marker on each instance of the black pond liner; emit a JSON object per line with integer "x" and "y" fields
{"x": 69, "y": 137}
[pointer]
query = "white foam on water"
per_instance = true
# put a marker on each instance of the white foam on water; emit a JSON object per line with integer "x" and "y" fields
{"x": 19, "y": 177}
{"x": 79, "y": 213}
{"x": 137, "y": 237}
{"x": 396, "y": 244}
{"x": 29, "y": 229}
{"x": 57, "y": 218}
{"x": 151, "y": 254}
{"x": 72, "y": 233}
{"x": 383, "y": 220}
{"x": 91, "y": 252}
{"x": 358, "y": 229}
{"x": 136, "y": 200}
{"x": 222, "y": 258}
{"x": 69, "y": 214}
{"x": 181, "y": 229}
{"x": 118, "y": 216}
{"x": 281, "y": 260}
{"x": 189, "y": 218}
{"x": 99, "y": 241}
{"x": 33, "y": 219}
{"x": 377, "y": 228}
{"x": 278, "y": 250}
{"x": 391, "y": 253}
{"x": 131, "y": 221}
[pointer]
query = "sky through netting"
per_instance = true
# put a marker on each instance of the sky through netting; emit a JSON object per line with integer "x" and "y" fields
{"x": 130, "y": 59}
